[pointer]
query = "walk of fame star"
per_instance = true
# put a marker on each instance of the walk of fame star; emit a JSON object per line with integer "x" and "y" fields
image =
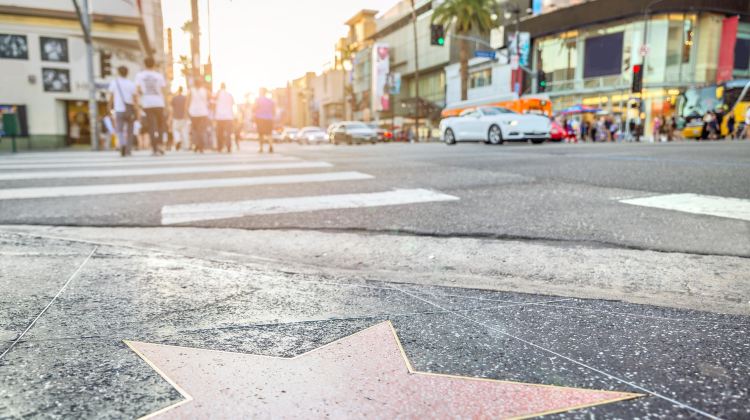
{"x": 366, "y": 374}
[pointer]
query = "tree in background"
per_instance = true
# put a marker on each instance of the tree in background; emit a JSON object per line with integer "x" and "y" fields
{"x": 463, "y": 17}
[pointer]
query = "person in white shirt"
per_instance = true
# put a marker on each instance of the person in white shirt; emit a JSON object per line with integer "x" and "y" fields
{"x": 224, "y": 116}
{"x": 122, "y": 100}
{"x": 747, "y": 123}
{"x": 151, "y": 91}
{"x": 198, "y": 111}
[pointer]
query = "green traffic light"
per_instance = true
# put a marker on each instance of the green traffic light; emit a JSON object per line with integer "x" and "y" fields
{"x": 208, "y": 78}
{"x": 543, "y": 83}
{"x": 441, "y": 41}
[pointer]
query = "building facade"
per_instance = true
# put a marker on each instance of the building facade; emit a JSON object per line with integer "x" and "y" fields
{"x": 43, "y": 57}
{"x": 588, "y": 51}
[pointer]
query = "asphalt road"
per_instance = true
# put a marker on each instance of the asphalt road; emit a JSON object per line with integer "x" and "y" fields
{"x": 613, "y": 275}
{"x": 557, "y": 192}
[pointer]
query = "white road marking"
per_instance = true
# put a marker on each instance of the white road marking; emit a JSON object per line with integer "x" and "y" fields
{"x": 113, "y": 163}
{"x": 733, "y": 208}
{"x": 108, "y": 173}
{"x": 224, "y": 210}
{"x": 83, "y": 190}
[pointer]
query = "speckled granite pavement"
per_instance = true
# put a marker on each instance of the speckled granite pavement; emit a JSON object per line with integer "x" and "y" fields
{"x": 66, "y": 309}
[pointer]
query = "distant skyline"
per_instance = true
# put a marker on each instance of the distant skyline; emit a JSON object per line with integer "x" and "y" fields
{"x": 265, "y": 43}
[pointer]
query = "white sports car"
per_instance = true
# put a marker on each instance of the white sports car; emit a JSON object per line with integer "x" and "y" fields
{"x": 495, "y": 125}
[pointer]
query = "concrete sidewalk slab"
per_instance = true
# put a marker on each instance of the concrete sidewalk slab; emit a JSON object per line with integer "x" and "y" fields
{"x": 74, "y": 362}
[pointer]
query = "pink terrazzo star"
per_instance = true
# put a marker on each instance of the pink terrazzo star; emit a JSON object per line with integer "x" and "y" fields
{"x": 363, "y": 375}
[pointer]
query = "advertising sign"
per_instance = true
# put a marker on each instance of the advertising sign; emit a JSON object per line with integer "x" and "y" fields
{"x": 520, "y": 42}
{"x": 380, "y": 69}
{"x": 726, "y": 48}
{"x": 394, "y": 83}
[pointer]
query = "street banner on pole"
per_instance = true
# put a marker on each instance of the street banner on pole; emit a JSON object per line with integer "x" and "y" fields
{"x": 726, "y": 49}
{"x": 380, "y": 69}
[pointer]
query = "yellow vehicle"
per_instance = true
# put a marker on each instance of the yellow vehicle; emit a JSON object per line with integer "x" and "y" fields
{"x": 727, "y": 98}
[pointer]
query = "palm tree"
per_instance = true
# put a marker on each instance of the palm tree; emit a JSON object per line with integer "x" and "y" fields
{"x": 464, "y": 17}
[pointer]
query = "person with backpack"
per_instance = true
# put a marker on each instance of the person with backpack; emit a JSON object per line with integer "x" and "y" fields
{"x": 122, "y": 100}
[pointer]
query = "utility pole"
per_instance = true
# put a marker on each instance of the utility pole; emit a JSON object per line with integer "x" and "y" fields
{"x": 416, "y": 71}
{"x": 84, "y": 17}
{"x": 195, "y": 40}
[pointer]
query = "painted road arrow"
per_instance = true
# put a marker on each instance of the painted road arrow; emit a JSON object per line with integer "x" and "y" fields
{"x": 363, "y": 375}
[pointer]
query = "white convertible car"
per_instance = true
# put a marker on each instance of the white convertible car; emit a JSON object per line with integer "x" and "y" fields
{"x": 495, "y": 125}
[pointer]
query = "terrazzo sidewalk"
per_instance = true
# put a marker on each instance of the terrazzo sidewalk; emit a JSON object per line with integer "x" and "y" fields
{"x": 89, "y": 331}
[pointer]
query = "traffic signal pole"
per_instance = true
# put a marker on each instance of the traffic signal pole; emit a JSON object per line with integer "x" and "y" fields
{"x": 84, "y": 17}
{"x": 416, "y": 71}
{"x": 195, "y": 42}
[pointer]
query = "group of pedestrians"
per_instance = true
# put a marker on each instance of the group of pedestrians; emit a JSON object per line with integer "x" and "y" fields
{"x": 140, "y": 109}
{"x": 145, "y": 96}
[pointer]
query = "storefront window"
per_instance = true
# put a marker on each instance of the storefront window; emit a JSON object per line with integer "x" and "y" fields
{"x": 557, "y": 57}
{"x": 480, "y": 78}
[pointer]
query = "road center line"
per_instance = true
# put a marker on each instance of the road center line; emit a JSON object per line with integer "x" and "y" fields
{"x": 183, "y": 213}
{"x": 83, "y": 190}
{"x": 733, "y": 208}
{"x": 100, "y": 173}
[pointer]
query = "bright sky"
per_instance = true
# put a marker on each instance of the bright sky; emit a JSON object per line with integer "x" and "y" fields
{"x": 258, "y": 43}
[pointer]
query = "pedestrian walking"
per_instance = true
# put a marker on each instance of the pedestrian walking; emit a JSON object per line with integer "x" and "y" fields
{"x": 730, "y": 126}
{"x": 122, "y": 100}
{"x": 224, "y": 116}
{"x": 238, "y": 131}
{"x": 264, "y": 111}
{"x": 746, "y": 129}
{"x": 180, "y": 120}
{"x": 656, "y": 130}
{"x": 198, "y": 112}
{"x": 152, "y": 91}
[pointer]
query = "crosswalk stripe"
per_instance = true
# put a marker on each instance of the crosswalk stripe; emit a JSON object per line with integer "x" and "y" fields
{"x": 128, "y": 162}
{"x": 108, "y": 173}
{"x": 183, "y": 213}
{"x": 733, "y": 208}
{"x": 141, "y": 158}
{"x": 84, "y": 190}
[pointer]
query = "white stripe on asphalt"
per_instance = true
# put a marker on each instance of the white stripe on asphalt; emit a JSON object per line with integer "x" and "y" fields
{"x": 105, "y": 173}
{"x": 733, "y": 208}
{"x": 113, "y": 163}
{"x": 186, "y": 157}
{"x": 83, "y": 190}
{"x": 182, "y": 213}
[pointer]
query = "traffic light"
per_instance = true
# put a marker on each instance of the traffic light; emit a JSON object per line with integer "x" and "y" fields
{"x": 208, "y": 76}
{"x": 541, "y": 81}
{"x": 637, "y": 78}
{"x": 437, "y": 35}
{"x": 105, "y": 63}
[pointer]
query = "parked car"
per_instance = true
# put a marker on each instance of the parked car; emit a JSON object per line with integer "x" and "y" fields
{"x": 383, "y": 134}
{"x": 309, "y": 135}
{"x": 350, "y": 132}
{"x": 494, "y": 125}
{"x": 557, "y": 132}
{"x": 289, "y": 134}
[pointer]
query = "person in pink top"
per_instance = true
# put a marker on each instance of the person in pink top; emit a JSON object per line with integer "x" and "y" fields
{"x": 264, "y": 112}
